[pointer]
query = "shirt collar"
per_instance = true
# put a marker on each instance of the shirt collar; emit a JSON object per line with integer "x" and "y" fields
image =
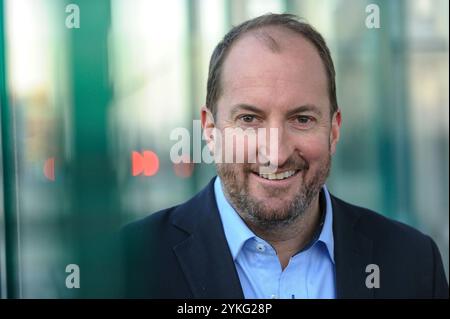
{"x": 326, "y": 235}
{"x": 237, "y": 232}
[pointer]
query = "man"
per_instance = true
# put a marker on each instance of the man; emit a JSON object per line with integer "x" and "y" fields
{"x": 253, "y": 233}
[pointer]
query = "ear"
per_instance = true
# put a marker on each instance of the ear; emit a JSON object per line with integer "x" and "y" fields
{"x": 208, "y": 126}
{"x": 335, "y": 130}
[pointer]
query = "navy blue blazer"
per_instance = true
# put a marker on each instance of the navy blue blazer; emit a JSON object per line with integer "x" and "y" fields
{"x": 182, "y": 252}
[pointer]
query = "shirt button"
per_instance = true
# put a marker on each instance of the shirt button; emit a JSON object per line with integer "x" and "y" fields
{"x": 260, "y": 247}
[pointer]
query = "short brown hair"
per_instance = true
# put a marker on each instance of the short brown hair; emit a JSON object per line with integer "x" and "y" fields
{"x": 288, "y": 21}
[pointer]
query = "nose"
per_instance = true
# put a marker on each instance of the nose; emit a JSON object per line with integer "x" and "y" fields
{"x": 275, "y": 148}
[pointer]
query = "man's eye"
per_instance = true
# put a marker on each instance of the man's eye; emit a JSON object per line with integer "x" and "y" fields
{"x": 304, "y": 122}
{"x": 247, "y": 118}
{"x": 303, "y": 119}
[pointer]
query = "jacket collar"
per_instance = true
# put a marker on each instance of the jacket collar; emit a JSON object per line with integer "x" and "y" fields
{"x": 204, "y": 255}
{"x": 207, "y": 263}
{"x": 352, "y": 252}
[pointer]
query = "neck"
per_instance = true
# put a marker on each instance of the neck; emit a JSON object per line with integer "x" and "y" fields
{"x": 292, "y": 238}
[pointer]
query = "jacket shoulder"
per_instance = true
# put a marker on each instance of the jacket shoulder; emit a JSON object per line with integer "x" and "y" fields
{"x": 410, "y": 260}
{"x": 153, "y": 228}
{"x": 377, "y": 226}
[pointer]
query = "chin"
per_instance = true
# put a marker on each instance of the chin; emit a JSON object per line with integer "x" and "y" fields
{"x": 272, "y": 206}
{"x": 274, "y": 198}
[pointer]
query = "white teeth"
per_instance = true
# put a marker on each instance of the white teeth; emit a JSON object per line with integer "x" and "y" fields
{"x": 278, "y": 176}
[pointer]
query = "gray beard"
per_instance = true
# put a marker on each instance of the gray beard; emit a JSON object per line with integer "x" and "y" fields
{"x": 256, "y": 213}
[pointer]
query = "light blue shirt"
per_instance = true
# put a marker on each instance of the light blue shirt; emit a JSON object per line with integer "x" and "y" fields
{"x": 309, "y": 274}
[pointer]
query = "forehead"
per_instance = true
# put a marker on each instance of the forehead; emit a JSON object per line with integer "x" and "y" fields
{"x": 274, "y": 65}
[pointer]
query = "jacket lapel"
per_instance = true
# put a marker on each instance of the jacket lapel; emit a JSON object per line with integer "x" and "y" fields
{"x": 208, "y": 266}
{"x": 353, "y": 252}
{"x": 204, "y": 256}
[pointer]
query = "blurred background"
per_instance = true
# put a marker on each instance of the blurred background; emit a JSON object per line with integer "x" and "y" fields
{"x": 87, "y": 110}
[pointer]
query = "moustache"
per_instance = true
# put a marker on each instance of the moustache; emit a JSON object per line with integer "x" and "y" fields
{"x": 292, "y": 163}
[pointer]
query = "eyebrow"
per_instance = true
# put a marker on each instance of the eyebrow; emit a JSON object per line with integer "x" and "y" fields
{"x": 305, "y": 108}
{"x": 254, "y": 109}
{"x": 246, "y": 107}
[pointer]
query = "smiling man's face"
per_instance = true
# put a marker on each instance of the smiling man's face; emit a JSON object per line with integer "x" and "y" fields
{"x": 283, "y": 87}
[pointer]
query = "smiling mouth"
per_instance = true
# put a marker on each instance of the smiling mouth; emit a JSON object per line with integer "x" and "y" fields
{"x": 278, "y": 176}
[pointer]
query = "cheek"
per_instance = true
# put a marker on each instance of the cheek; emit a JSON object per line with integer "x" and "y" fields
{"x": 314, "y": 149}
